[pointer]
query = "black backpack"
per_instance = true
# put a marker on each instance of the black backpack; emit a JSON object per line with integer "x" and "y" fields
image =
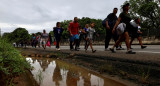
{"x": 104, "y": 22}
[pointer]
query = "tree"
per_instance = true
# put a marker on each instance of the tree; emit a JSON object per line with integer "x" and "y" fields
{"x": 7, "y": 36}
{"x": 149, "y": 12}
{"x": 38, "y": 33}
{"x": 20, "y": 35}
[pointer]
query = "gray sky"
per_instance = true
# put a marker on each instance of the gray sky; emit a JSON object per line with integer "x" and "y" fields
{"x": 36, "y": 15}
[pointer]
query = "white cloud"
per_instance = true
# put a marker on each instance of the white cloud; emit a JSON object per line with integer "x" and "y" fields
{"x": 36, "y": 15}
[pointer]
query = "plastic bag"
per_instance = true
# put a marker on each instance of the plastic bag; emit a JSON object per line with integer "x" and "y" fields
{"x": 120, "y": 28}
{"x": 48, "y": 43}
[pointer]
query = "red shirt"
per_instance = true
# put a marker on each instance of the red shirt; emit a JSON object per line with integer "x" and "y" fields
{"x": 74, "y": 28}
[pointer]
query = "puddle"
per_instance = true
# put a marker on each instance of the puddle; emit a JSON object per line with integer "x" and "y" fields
{"x": 50, "y": 72}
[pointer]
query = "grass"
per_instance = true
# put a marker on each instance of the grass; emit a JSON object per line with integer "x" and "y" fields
{"x": 145, "y": 75}
{"x": 10, "y": 82}
{"x": 106, "y": 68}
{"x": 12, "y": 62}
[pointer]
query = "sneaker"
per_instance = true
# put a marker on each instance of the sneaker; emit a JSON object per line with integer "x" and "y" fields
{"x": 58, "y": 49}
{"x": 112, "y": 50}
{"x": 86, "y": 50}
{"x": 93, "y": 51}
{"x": 130, "y": 52}
{"x": 122, "y": 48}
{"x": 142, "y": 47}
{"x": 106, "y": 49}
{"x": 76, "y": 50}
{"x": 118, "y": 48}
{"x": 71, "y": 49}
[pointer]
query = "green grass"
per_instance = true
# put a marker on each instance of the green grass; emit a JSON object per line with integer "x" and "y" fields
{"x": 12, "y": 62}
{"x": 144, "y": 74}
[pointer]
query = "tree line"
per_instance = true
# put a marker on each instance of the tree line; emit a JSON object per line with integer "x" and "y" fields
{"x": 147, "y": 10}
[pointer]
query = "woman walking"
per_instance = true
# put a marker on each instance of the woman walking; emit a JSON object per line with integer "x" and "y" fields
{"x": 44, "y": 39}
{"x": 58, "y": 33}
{"x": 125, "y": 18}
{"x": 136, "y": 33}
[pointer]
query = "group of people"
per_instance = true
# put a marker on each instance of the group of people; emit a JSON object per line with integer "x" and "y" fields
{"x": 43, "y": 39}
{"x": 127, "y": 30}
{"x": 76, "y": 33}
{"x": 119, "y": 28}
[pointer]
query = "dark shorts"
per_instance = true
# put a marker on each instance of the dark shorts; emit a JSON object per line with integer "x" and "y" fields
{"x": 136, "y": 35}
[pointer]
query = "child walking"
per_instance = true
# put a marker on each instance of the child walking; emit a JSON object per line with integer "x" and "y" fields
{"x": 91, "y": 31}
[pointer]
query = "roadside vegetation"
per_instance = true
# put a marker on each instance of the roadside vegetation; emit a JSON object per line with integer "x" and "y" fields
{"x": 12, "y": 63}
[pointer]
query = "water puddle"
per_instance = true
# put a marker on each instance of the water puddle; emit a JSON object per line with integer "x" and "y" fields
{"x": 50, "y": 72}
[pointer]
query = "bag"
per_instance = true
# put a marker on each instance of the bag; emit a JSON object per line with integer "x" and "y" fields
{"x": 55, "y": 43}
{"x": 48, "y": 43}
{"x": 120, "y": 28}
{"x": 104, "y": 22}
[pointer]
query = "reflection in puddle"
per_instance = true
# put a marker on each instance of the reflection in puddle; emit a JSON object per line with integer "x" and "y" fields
{"x": 59, "y": 73}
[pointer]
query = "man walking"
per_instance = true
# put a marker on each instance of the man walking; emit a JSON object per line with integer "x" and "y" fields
{"x": 110, "y": 22}
{"x": 74, "y": 30}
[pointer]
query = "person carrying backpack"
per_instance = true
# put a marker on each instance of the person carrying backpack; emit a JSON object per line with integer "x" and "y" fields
{"x": 74, "y": 30}
{"x": 109, "y": 23}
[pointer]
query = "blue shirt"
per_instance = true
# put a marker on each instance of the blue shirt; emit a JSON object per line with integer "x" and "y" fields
{"x": 85, "y": 29}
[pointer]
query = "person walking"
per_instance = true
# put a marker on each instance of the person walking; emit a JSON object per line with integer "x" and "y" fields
{"x": 39, "y": 40}
{"x": 80, "y": 37}
{"x": 34, "y": 41}
{"x": 110, "y": 22}
{"x": 44, "y": 39}
{"x": 58, "y": 30}
{"x": 84, "y": 31}
{"x": 74, "y": 30}
{"x": 91, "y": 31}
{"x": 49, "y": 41}
{"x": 136, "y": 33}
{"x": 124, "y": 18}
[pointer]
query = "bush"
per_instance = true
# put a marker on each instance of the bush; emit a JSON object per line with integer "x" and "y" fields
{"x": 12, "y": 62}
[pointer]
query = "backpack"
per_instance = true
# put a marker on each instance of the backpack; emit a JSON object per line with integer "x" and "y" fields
{"x": 104, "y": 22}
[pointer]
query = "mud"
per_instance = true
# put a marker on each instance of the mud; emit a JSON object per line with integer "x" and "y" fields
{"x": 126, "y": 72}
{"x": 56, "y": 72}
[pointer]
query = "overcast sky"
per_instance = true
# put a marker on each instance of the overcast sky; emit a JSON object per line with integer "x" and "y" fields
{"x": 36, "y": 15}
